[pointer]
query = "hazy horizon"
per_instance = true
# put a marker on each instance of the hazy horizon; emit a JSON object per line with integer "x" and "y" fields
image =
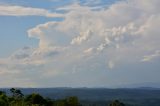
{"x": 79, "y": 43}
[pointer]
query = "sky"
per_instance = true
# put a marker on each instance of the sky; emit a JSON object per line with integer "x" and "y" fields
{"x": 79, "y": 43}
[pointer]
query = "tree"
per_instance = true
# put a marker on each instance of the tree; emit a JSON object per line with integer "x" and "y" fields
{"x": 17, "y": 98}
{"x": 116, "y": 103}
{"x": 49, "y": 102}
{"x": 72, "y": 101}
{"x": 16, "y": 93}
{"x": 60, "y": 103}
{"x": 3, "y": 99}
{"x": 34, "y": 99}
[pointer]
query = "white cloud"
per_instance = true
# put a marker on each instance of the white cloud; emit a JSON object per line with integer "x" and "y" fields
{"x": 82, "y": 37}
{"x": 119, "y": 31}
{"x": 13, "y": 10}
{"x": 86, "y": 40}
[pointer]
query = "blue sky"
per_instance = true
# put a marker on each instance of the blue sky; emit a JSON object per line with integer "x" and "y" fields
{"x": 79, "y": 43}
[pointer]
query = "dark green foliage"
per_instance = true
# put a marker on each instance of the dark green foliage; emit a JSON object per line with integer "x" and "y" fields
{"x": 60, "y": 103}
{"x": 116, "y": 103}
{"x": 49, "y": 102}
{"x": 72, "y": 101}
{"x": 35, "y": 99}
{"x": 16, "y": 93}
{"x": 3, "y": 99}
{"x": 69, "y": 101}
{"x": 1, "y": 92}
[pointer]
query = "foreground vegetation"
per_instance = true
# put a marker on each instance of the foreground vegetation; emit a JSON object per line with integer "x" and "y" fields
{"x": 18, "y": 99}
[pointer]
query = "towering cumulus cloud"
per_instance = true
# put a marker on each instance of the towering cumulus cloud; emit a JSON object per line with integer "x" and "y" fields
{"x": 88, "y": 41}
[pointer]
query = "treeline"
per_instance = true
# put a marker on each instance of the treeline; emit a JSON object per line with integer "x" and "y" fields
{"x": 17, "y": 98}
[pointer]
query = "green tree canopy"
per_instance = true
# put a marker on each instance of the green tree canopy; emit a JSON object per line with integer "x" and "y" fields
{"x": 116, "y": 103}
{"x": 35, "y": 98}
{"x": 3, "y": 99}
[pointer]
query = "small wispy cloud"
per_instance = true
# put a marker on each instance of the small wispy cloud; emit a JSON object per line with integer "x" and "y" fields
{"x": 14, "y": 10}
{"x": 111, "y": 64}
{"x": 151, "y": 57}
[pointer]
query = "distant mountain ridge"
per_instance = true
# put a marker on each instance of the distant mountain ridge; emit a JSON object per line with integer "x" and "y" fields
{"x": 90, "y": 93}
{"x": 154, "y": 85}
